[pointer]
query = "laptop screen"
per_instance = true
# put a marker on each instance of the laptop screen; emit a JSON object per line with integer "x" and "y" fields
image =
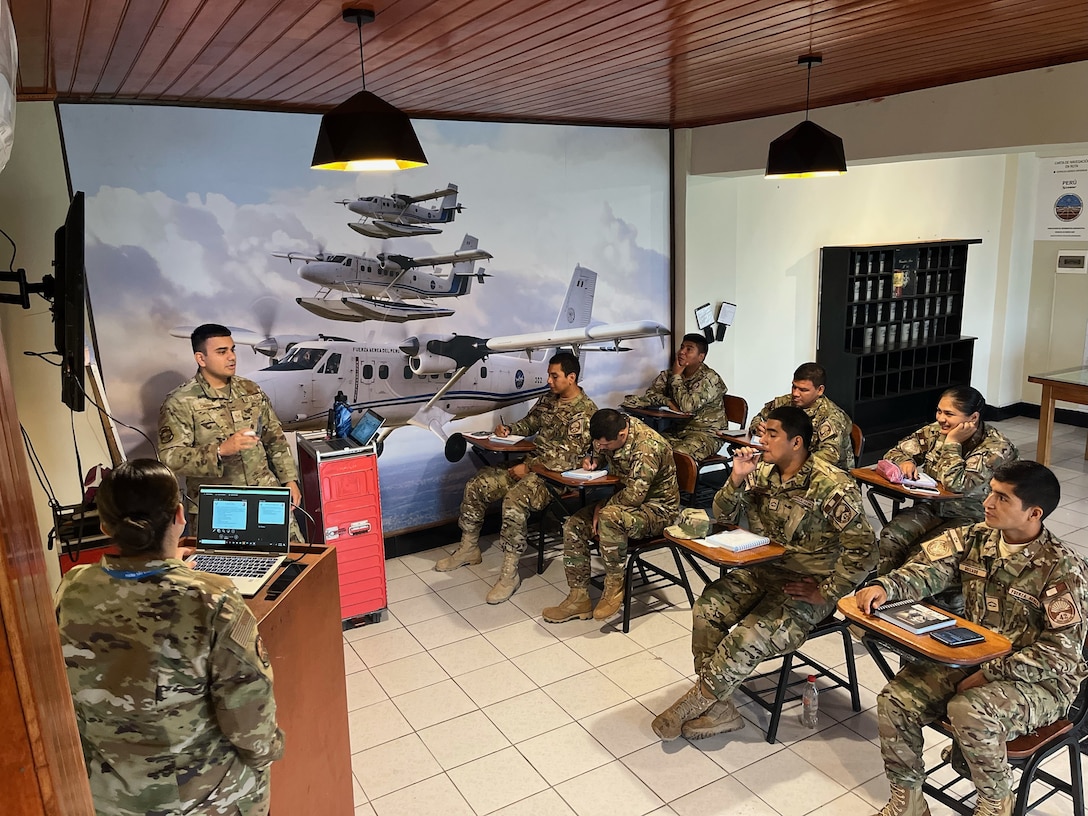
{"x": 368, "y": 425}
{"x": 244, "y": 519}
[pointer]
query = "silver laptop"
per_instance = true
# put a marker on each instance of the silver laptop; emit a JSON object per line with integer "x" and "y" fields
{"x": 362, "y": 433}
{"x": 243, "y": 533}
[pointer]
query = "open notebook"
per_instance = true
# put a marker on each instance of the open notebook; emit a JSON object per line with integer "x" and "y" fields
{"x": 243, "y": 533}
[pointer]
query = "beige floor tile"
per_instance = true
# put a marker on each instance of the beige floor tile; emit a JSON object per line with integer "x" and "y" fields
{"x": 352, "y": 662}
{"x": 789, "y": 784}
{"x": 493, "y": 684}
{"x": 387, "y": 623}
{"x": 364, "y": 810}
{"x": 552, "y": 663}
{"x": 849, "y": 805}
{"x": 376, "y": 724}
{"x": 653, "y": 630}
{"x": 598, "y": 648}
{"x": 467, "y": 655}
{"x": 408, "y": 674}
{"x": 466, "y": 595}
{"x": 393, "y": 765}
{"x": 622, "y": 729}
{"x": 488, "y": 617}
{"x": 434, "y": 704}
{"x": 586, "y": 693}
{"x": 673, "y": 769}
{"x": 641, "y": 673}
{"x": 520, "y": 638}
{"x": 439, "y": 581}
{"x": 564, "y": 753}
{"x": 527, "y": 715}
{"x": 610, "y": 789}
{"x": 419, "y": 609}
{"x": 400, "y": 589}
{"x": 545, "y": 803}
{"x": 442, "y": 631}
{"x": 386, "y": 647}
{"x": 497, "y": 780}
{"x": 725, "y": 797}
{"x": 842, "y": 754}
{"x": 363, "y": 690}
{"x": 463, "y": 739}
{"x": 534, "y": 601}
{"x": 435, "y": 795}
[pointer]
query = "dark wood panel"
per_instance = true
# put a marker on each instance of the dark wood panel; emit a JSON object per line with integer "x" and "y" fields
{"x": 31, "y": 20}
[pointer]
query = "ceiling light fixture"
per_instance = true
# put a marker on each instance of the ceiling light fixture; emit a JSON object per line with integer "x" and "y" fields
{"x": 806, "y": 150}
{"x": 366, "y": 132}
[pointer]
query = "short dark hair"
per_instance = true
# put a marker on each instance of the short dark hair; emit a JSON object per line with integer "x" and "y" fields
{"x": 201, "y": 335}
{"x": 607, "y": 424}
{"x": 1034, "y": 484}
{"x": 568, "y": 362}
{"x": 697, "y": 340}
{"x": 795, "y": 422}
{"x": 137, "y": 501}
{"x": 966, "y": 399}
{"x": 813, "y": 372}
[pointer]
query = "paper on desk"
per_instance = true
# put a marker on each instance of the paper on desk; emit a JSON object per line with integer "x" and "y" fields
{"x": 511, "y": 439}
{"x": 584, "y": 475}
{"x": 921, "y": 479}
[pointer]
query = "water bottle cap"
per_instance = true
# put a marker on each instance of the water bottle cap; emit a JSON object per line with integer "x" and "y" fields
{"x": 812, "y": 678}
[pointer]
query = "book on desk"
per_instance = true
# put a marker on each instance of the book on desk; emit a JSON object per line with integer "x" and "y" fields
{"x": 916, "y": 618}
{"x": 509, "y": 439}
{"x": 584, "y": 475}
{"x": 736, "y": 540}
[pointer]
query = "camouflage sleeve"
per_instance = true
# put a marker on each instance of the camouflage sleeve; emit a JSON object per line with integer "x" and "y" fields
{"x": 530, "y": 423}
{"x": 844, "y": 511}
{"x": 830, "y": 438}
{"x": 241, "y": 685}
{"x": 962, "y": 474}
{"x": 910, "y": 449}
{"x": 1057, "y": 650}
{"x": 707, "y": 391}
{"x": 644, "y": 468}
{"x": 931, "y": 569}
{"x": 178, "y": 449}
{"x": 278, "y": 451}
{"x": 658, "y": 392}
{"x": 761, "y": 417}
{"x": 730, "y": 501}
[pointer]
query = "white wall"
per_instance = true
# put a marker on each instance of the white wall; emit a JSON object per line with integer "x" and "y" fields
{"x": 33, "y": 203}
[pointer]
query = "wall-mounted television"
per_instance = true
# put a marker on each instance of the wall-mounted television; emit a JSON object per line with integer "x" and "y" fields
{"x": 69, "y": 299}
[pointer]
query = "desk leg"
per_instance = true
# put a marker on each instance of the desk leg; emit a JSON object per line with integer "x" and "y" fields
{"x": 1046, "y": 426}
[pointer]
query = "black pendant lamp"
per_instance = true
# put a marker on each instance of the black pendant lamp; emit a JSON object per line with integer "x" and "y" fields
{"x": 366, "y": 132}
{"x": 806, "y": 150}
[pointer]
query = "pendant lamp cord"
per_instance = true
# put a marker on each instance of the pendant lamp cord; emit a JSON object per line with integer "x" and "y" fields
{"x": 362, "y": 68}
{"x": 808, "y": 88}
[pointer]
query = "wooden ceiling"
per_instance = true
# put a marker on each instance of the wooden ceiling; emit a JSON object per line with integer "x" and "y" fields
{"x": 657, "y": 63}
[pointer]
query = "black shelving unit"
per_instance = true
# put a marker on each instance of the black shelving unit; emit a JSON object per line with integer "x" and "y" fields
{"x": 889, "y": 334}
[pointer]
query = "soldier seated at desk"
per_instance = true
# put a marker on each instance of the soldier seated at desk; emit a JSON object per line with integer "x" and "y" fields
{"x": 812, "y": 509}
{"x": 693, "y": 387}
{"x": 1019, "y": 581}
{"x": 560, "y": 420}
{"x": 961, "y": 452}
{"x": 647, "y": 501}
{"x": 830, "y": 424}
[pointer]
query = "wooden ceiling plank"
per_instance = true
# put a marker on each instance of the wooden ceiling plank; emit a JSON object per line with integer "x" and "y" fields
{"x": 172, "y": 22}
{"x": 96, "y": 43}
{"x": 131, "y": 38}
{"x": 31, "y": 21}
{"x": 66, "y": 21}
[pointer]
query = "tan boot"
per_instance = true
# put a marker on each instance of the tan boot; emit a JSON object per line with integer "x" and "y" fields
{"x": 611, "y": 599}
{"x": 509, "y": 580}
{"x": 575, "y": 605}
{"x": 466, "y": 553}
{"x": 905, "y": 802}
{"x": 993, "y": 807}
{"x": 720, "y": 718}
{"x": 954, "y": 757}
{"x": 668, "y": 723}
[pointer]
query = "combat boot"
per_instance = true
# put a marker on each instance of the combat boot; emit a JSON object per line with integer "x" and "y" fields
{"x": 720, "y": 718}
{"x": 611, "y": 599}
{"x": 509, "y": 580}
{"x": 575, "y": 605}
{"x": 467, "y": 552}
{"x": 668, "y": 724}
{"x": 954, "y": 757}
{"x": 905, "y": 802}
{"x": 993, "y": 807}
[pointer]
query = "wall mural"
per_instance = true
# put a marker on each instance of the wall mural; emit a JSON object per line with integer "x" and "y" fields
{"x": 378, "y": 285}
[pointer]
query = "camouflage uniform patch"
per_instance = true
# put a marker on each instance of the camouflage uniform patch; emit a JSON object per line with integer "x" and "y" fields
{"x": 830, "y": 429}
{"x": 1061, "y": 611}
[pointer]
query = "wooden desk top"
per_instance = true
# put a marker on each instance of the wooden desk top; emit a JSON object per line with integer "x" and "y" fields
{"x": 305, "y": 554}
{"x": 740, "y": 438}
{"x": 723, "y": 557}
{"x": 872, "y": 477}
{"x": 658, "y": 413}
{"x": 926, "y": 647}
{"x": 556, "y": 476}
{"x": 487, "y": 444}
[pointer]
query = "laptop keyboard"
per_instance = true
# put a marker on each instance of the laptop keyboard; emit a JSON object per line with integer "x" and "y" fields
{"x": 234, "y": 566}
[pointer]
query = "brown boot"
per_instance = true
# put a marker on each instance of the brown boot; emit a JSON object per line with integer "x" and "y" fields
{"x": 720, "y": 718}
{"x": 905, "y": 802}
{"x": 611, "y": 599}
{"x": 509, "y": 580}
{"x": 575, "y": 605}
{"x": 668, "y": 723}
{"x": 465, "y": 554}
{"x": 993, "y": 807}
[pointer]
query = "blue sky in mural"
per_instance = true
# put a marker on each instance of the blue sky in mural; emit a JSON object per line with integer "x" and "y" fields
{"x": 185, "y": 207}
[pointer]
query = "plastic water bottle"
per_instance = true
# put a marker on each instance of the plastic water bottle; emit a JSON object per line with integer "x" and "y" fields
{"x": 810, "y": 703}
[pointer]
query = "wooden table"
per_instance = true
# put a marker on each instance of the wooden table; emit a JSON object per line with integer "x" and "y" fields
{"x": 658, "y": 418}
{"x": 1070, "y": 385}
{"x": 742, "y": 439}
{"x": 924, "y": 646}
{"x": 879, "y": 486}
{"x": 557, "y": 479}
{"x": 726, "y": 559}
{"x": 482, "y": 444}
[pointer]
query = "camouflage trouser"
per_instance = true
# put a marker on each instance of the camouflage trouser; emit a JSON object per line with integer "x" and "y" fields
{"x": 983, "y": 720}
{"x": 519, "y": 499}
{"x": 615, "y": 525}
{"x": 903, "y": 535}
{"x": 698, "y": 444}
{"x": 765, "y": 622}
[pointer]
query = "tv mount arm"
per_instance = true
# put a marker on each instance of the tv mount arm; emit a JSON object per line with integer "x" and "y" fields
{"x": 45, "y": 288}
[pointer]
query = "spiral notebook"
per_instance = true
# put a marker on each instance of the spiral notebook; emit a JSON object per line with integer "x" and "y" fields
{"x": 735, "y": 540}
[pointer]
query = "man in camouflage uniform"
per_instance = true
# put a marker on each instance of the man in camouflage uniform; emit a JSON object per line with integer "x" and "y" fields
{"x": 220, "y": 429}
{"x": 750, "y": 615}
{"x": 830, "y": 425}
{"x": 962, "y": 457}
{"x": 647, "y": 501}
{"x": 560, "y": 420}
{"x": 1018, "y": 580}
{"x": 695, "y": 388}
{"x": 161, "y": 655}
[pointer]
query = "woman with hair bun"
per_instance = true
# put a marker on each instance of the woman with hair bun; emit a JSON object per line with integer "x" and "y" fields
{"x": 171, "y": 683}
{"x": 961, "y": 452}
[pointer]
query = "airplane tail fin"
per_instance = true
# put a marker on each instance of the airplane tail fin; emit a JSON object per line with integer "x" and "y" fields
{"x": 449, "y": 204}
{"x": 577, "y": 308}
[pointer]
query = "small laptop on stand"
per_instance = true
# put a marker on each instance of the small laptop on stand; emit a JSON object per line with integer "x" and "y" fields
{"x": 243, "y": 533}
{"x": 362, "y": 433}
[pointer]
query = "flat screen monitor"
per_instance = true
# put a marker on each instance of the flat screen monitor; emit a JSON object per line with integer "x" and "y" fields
{"x": 69, "y": 299}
